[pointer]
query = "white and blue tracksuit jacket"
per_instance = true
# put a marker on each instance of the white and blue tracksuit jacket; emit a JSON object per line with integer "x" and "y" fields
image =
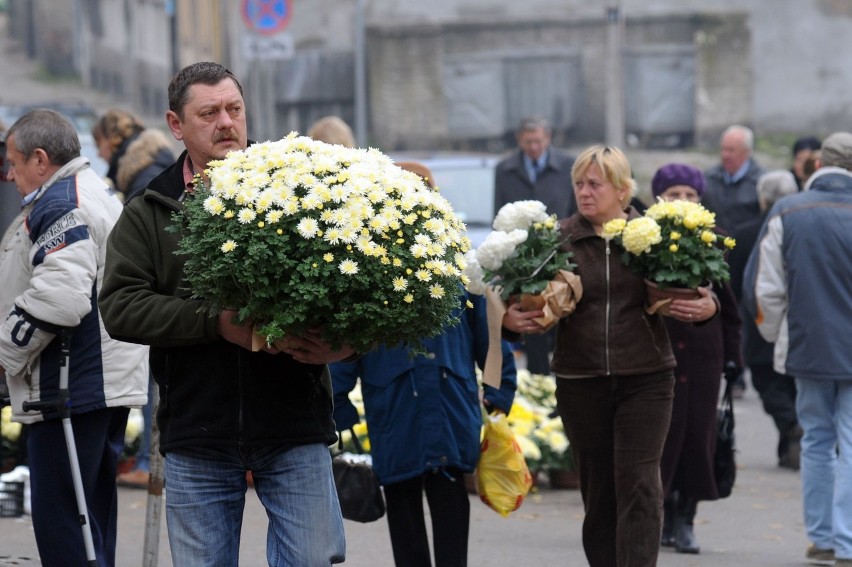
{"x": 51, "y": 268}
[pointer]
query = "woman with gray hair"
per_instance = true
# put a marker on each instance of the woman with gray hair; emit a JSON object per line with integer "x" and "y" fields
{"x": 773, "y": 185}
{"x": 777, "y": 391}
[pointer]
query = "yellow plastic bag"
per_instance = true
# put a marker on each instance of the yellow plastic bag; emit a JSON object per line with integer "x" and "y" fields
{"x": 502, "y": 474}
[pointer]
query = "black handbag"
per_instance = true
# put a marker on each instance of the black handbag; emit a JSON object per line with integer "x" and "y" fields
{"x": 358, "y": 489}
{"x": 724, "y": 460}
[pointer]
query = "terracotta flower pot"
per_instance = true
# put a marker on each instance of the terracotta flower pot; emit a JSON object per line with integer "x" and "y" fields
{"x": 659, "y": 300}
{"x": 125, "y": 465}
{"x": 528, "y": 301}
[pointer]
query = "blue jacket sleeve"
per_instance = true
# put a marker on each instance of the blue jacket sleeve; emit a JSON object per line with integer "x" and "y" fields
{"x": 344, "y": 376}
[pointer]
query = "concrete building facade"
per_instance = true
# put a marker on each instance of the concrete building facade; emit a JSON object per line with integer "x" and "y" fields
{"x": 460, "y": 73}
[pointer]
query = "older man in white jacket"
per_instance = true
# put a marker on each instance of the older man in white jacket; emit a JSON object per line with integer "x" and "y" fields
{"x": 798, "y": 285}
{"x": 51, "y": 267}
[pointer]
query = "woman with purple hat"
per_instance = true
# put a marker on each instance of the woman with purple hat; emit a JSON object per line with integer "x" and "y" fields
{"x": 702, "y": 353}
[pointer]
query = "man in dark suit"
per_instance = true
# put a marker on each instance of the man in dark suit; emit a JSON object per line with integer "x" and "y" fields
{"x": 536, "y": 171}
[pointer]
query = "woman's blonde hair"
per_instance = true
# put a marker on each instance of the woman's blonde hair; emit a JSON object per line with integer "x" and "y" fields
{"x": 612, "y": 163}
{"x": 332, "y": 130}
{"x": 115, "y": 126}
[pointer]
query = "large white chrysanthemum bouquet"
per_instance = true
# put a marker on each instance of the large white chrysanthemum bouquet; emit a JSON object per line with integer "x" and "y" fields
{"x": 298, "y": 234}
{"x": 521, "y": 255}
{"x": 673, "y": 245}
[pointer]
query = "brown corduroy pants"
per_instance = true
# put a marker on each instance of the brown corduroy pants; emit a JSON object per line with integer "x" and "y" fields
{"x": 617, "y": 427}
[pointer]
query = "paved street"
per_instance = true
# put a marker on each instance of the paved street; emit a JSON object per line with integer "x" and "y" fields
{"x": 759, "y": 525}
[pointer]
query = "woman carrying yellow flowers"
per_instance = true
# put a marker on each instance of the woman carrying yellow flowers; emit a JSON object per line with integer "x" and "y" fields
{"x": 613, "y": 364}
{"x": 703, "y": 353}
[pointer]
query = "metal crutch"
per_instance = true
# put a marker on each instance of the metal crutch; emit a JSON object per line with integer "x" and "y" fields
{"x": 62, "y": 405}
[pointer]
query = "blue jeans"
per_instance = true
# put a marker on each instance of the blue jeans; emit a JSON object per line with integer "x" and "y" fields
{"x": 205, "y": 497}
{"x": 143, "y": 455}
{"x": 824, "y": 408}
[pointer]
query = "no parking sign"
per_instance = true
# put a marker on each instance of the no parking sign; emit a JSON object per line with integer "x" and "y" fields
{"x": 267, "y": 17}
{"x": 266, "y": 21}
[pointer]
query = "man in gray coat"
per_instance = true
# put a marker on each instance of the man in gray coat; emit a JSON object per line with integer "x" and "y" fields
{"x": 731, "y": 190}
{"x": 536, "y": 171}
{"x": 731, "y": 193}
{"x": 796, "y": 287}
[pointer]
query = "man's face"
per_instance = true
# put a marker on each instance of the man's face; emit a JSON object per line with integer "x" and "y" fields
{"x": 213, "y": 124}
{"x": 534, "y": 142}
{"x": 733, "y": 152}
{"x": 27, "y": 174}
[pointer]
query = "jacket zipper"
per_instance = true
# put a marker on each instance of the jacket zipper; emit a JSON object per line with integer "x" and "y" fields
{"x": 606, "y": 323}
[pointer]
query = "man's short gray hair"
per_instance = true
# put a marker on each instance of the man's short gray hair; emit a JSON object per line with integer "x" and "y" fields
{"x": 49, "y": 130}
{"x": 746, "y": 132}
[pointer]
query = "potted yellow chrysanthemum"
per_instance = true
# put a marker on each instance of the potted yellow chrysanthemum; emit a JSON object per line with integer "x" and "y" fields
{"x": 673, "y": 245}
{"x": 298, "y": 234}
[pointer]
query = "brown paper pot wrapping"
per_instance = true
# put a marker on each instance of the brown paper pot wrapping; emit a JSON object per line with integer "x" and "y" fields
{"x": 558, "y": 299}
{"x": 659, "y": 300}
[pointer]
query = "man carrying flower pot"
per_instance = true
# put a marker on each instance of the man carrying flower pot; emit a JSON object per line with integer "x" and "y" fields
{"x": 224, "y": 409}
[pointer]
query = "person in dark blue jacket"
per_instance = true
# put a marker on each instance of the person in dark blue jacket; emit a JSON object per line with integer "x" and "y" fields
{"x": 424, "y": 419}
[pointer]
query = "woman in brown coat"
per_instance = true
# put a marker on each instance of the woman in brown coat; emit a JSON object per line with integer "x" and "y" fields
{"x": 613, "y": 364}
{"x": 702, "y": 352}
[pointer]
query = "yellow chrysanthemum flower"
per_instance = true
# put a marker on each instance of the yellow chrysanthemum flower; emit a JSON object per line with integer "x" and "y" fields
{"x": 640, "y": 234}
{"x": 613, "y": 228}
{"x": 228, "y": 246}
